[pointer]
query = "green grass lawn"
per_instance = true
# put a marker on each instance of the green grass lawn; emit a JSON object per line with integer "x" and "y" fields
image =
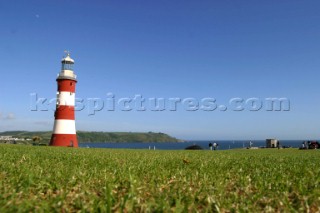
{"x": 55, "y": 179}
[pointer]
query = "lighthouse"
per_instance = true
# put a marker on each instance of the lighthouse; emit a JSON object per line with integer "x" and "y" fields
{"x": 64, "y": 129}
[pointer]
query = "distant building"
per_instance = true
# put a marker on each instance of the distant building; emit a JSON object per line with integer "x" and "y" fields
{"x": 11, "y": 138}
{"x": 272, "y": 143}
{"x": 6, "y": 138}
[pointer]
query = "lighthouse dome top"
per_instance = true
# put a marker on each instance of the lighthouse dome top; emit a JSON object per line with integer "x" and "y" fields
{"x": 67, "y": 59}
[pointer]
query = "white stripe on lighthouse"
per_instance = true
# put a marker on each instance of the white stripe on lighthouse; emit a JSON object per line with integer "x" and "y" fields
{"x": 66, "y": 98}
{"x": 64, "y": 127}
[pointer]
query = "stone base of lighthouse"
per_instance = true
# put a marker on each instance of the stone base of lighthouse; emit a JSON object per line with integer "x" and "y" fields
{"x": 67, "y": 140}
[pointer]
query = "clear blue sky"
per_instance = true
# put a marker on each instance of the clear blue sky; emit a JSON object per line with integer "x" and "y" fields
{"x": 218, "y": 49}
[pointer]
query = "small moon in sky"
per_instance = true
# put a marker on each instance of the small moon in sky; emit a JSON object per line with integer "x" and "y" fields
{"x": 37, "y": 16}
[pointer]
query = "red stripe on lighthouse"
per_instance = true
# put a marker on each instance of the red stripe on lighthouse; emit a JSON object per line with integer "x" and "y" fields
{"x": 68, "y": 140}
{"x": 65, "y": 112}
{"x": 65, "y": 85}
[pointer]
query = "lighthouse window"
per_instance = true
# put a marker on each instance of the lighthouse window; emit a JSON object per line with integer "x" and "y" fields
{"x": 66, "y": 66}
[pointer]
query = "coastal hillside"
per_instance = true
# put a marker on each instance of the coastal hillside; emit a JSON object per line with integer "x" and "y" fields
{"x": 101, "y": 137}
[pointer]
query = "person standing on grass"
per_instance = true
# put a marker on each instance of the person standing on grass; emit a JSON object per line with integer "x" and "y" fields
{"x": 215, "y": 146}
{"x": 210, "y": 146}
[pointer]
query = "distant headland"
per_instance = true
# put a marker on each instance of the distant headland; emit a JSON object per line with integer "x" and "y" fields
{"x": 43, "y": 137}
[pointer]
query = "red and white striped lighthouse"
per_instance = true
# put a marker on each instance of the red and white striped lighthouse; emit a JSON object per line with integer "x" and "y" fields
{"x": 64, "y": 130}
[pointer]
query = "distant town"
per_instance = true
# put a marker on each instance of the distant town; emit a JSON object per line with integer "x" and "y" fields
{"x": 13, "y": 139}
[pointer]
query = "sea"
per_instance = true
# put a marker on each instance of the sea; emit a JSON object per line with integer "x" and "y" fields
{"x": 223, "y": 145}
